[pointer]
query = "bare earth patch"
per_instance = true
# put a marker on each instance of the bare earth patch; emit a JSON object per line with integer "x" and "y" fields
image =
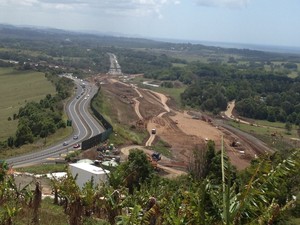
{"x": 180, "y": 130}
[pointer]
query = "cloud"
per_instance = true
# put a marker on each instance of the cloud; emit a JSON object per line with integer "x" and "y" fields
{"x": 223, "y": 3}
{"x": 132, "y": 7}
{"x": 109, "y": 7}
{"x": 16, "y": 2}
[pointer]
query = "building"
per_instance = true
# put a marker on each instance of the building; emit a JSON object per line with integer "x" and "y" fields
{"x": 85, "y": 172}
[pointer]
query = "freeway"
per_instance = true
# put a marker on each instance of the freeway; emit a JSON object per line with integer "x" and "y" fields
{"x": 84, "y": 125}
{"x": 115, "y": 68}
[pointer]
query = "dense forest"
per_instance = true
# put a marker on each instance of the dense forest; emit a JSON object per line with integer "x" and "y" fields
{"x": 259, "y": 94}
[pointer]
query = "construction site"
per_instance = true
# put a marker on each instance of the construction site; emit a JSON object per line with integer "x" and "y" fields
{"x": 182, "y": 130}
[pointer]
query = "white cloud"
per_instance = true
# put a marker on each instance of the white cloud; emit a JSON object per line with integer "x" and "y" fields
{"x": 110, "y": 7}
{"x": 133, "y": 7}
{"x": 223, "y": 3}
{"x": 16, "y": 2}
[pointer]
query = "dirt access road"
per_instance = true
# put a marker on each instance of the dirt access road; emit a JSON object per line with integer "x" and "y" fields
{"x": 182, "y": 131}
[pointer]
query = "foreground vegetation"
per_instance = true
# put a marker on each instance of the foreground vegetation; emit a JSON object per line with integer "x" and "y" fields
{"x": 214, "y": 193}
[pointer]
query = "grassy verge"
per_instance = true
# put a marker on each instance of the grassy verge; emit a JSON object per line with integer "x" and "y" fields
{"x": 162, "y": 147}
{"x": 275, "y": 136}
{"x": 267, "y": 128}
{"x": 123, "y": 134}
{"x": 38, "y": 145}
{"x": 43, "y": 169}
{"x": 16, "y": 89}
{"x": 174, "y": 93}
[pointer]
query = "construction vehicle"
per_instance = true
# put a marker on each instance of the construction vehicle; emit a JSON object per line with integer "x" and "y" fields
{"x": 152, "y": 162}
{"x": 156, "y": 156}
{"x": 153, "y": 159}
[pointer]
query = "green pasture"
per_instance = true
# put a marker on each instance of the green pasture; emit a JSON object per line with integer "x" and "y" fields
{"x": 17, "y": 88}
{"x": 172, "y": 92}
{"x": 274, "y": 134}
{"x": 266, "y": 128}
{"x": 23, "y": 52}
{"x": 260, "y": 130}
{"x": 269, "y": 124}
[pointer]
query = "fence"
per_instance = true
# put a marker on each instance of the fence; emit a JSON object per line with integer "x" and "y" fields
{"x": 95, "y": 140}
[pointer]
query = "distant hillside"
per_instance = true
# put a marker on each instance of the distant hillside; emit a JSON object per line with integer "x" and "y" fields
{"x": 92, "y": 40}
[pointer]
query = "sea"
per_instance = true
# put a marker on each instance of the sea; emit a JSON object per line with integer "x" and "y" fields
{"x": 259, "y": 47}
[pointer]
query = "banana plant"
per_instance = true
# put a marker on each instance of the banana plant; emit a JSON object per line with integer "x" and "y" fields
{"x": 254, "y": 201}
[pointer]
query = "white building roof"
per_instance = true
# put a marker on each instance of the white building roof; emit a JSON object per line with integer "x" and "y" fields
{"x": 57, "y": 175}
{"x": 90, "y": 168}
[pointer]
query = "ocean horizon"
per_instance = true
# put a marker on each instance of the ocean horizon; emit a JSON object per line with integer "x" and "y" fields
{"x": 259, "y": 47}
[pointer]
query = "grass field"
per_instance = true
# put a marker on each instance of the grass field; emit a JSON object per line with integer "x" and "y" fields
{"x": 274, "y": 134}
{"x": 17, "y": 88}
{"x": 172, "y": 92}
{"x": 43, "y": 168}
{"x": 123, "y": 133}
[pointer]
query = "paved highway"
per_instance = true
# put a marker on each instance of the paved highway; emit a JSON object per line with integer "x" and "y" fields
{"x": 84, "y": 125}
{"x": 115, "y": 68}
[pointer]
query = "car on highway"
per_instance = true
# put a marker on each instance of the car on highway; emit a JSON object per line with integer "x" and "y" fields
{"x": 76, "y": 146}
{"x": 75, "y": 137}
{"x": 65, "y": 143}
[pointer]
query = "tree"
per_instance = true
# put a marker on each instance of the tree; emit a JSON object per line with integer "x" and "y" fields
{"x": 288, "y": 127}
{"x": 36, "y": 203}
{"x": 23, "y": 135}
{"x": 133, "y": 172}
{"x": 200, "y": 164}
{"x": 10, "y": 141}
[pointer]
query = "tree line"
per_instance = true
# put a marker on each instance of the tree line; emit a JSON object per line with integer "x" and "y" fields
{"x": 40, "y": 119}
{"x": 259, "y": 94}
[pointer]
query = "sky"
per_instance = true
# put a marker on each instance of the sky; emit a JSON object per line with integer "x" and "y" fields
{"x": 266, "y": 22}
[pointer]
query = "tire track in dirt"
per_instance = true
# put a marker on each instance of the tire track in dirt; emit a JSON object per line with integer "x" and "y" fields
{"x": 137, "y": 103}
{"x": 138, "y": 113}
{"x": 163, "y": 100}
{"x": 160, "y": 98}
